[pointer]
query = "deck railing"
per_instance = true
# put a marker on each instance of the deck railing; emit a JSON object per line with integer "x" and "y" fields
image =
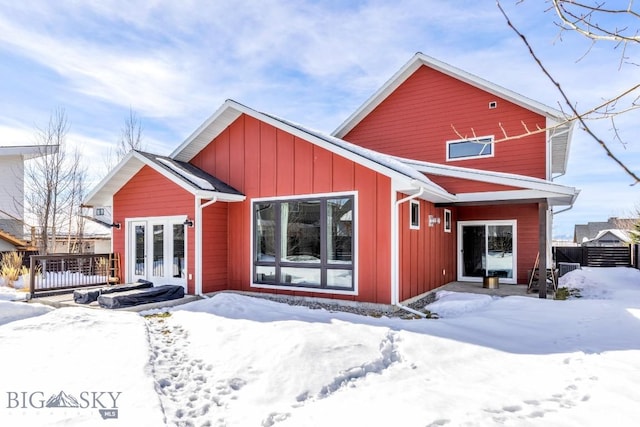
{"x": 56, "y": 273}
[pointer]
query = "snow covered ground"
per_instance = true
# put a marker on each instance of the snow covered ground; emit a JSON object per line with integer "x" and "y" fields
{"x": 233, "y": 360}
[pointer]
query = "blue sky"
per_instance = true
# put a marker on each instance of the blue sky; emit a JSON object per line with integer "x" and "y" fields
{"x": 312, "y": 62}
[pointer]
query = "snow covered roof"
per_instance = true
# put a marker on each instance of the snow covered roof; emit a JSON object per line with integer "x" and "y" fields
{"x": 560, "y": 135}
{"x": 622, "y": 235}
{"x": 187, "y": 176}
{"x": 534, "y": 188}
{"x": 407, "y": 177}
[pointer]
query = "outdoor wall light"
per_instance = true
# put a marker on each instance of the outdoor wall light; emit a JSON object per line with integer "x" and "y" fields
{"x": 433, "y": 220}
{"x": 116, "y": 225}
{"x": 188, "y": 222}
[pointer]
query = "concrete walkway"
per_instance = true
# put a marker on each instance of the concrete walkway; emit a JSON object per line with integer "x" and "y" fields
{"x": 503, "y": 290}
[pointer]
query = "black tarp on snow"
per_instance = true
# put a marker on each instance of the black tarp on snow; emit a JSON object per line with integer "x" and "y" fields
{"x": 91, "y": 295}
{"x": 141, "y": 296}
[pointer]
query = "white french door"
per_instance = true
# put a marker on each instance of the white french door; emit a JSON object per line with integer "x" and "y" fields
{"x": 157, "y": 250}
{"x": 487, "y": 248}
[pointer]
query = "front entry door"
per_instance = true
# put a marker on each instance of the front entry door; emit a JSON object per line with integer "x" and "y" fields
{"x": 157, "y": 251}
{"x": 487, "y": 248}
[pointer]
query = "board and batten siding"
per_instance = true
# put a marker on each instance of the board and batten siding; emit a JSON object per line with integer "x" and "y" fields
{"x": 527, "y": 225}
{"x": 427, "y": 254}
{"x": 261, "y": 161}
{"x": 149, "y": 194}
{"x": 417, "y": 119}
{"x": 459, "y": 185}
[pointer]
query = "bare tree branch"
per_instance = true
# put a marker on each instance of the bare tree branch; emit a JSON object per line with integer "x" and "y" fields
{"x": 580, "y": 118}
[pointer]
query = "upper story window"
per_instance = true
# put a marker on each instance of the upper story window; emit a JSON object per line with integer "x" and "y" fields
{"x": 99, "y": 211}
{"x": 470, "y": 148}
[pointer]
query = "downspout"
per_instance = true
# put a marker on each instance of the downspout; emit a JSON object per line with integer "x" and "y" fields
{"x": 198, "y": 243}
{"x": 395, "y": 255}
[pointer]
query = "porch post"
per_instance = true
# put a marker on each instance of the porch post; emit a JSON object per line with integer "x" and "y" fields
{"x": 542, "y": 243}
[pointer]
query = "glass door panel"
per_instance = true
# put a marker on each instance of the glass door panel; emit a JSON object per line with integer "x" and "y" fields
{"x": 138, "y": 250}
{"x": 158, "y": 251}
{"x": 178, "y": 252}
{"x": 500, "y": 251}
{"x": 473, "y": 250}
{"x": 487, "y": 250}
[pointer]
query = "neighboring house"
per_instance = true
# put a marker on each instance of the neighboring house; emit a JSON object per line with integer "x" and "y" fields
{"x": 392, "y": 205}
{"x": 589, "y": 231}
{"x": 12, "y": 226}
{"x": 613, "y": 237}
{"x": 88, "y": 243}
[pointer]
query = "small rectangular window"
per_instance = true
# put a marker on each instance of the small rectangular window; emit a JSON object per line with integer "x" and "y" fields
{"x": 414, "y": 213}
{"x": 470, "y": 148}
{"x": 447, "y": 221}
{"x": 99, "y": 211}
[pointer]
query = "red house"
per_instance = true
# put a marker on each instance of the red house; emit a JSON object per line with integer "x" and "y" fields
{"x": 440, "y": 176}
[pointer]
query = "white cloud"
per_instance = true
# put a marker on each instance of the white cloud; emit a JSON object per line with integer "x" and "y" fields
{"x": 313, "y": 62}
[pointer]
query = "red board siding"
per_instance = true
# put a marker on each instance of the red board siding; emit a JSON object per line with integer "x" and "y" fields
{"x": 275, "y": 163}
{"x": 527, "y": 224}
{"x": 149, "y": 194}
{"x": 458, "y": 185}
{"x": 427, "y": 255}
{"x": 214, "y": 232}
{"x": 417, "y": 119}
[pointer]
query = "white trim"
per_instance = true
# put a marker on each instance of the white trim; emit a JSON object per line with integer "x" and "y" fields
{"x": 413, "y": 226}
{"x": 479, "y": 141}
{"x": 447, "y": 212}
{"x": 354, "y": 262}
{"x": 554, "y": 199}
{"x": 513, "y": 223}
{"x": 197, "y": 249}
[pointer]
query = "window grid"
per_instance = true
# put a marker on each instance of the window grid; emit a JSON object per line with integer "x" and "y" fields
{"x": 280, "y": 264}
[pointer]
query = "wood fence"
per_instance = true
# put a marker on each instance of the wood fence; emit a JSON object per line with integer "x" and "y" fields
{"x": 51, "y": 274}
{"x": 595, "y": 256}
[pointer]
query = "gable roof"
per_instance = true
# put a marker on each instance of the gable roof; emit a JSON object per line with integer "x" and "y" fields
{"x": 190, "y": 178}
{"x": 405, "y": 176}
{"x": 560, "y": 130}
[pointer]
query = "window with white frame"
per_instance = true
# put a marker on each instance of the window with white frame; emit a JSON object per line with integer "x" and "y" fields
{"x": 414, "y": 215}
{"x": 470, "y": 148}
{"x": 304, "y": 242}
{"x": 447, "y": 221}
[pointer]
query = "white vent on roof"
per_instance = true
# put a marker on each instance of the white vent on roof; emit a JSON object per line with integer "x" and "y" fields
{"x": 493, "y": 104}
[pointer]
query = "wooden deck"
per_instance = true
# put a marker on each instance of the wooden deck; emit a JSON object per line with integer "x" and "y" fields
{"x": 66, "y": 300}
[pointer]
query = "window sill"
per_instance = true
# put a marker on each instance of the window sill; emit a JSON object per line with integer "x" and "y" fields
{"x": 304, "y": 289}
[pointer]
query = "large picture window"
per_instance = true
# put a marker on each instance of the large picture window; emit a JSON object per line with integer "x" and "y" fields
{"x": 304, "y": 242}
{"x": 470, "y": 148}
